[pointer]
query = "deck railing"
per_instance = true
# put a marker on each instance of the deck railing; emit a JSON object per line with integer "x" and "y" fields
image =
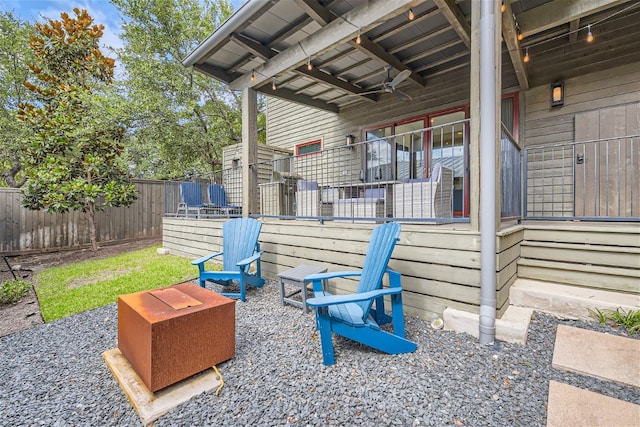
{"x": 510, "y": 176}
{"x": 230, "y": 179}
{"x": 596, "y": 180}
{"x": 377, "y": 180}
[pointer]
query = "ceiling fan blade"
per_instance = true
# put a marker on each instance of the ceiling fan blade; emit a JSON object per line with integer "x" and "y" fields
{"x": 402, "y": 96}
{"x": 402, "y": 76}
{"x": 369, "y": 92}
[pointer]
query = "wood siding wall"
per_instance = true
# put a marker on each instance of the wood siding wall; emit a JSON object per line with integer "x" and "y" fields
{"x": 606, "y": 256}
{"x": 23, "y": 230}
{"x": 440, "y": 267}
{"x": 550, "y": 179}
{"x": 289, "y": 124}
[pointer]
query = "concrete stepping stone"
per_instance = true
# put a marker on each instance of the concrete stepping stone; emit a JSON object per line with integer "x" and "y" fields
{"x": 600, "y": 355}
{"x": 573, "y": 406}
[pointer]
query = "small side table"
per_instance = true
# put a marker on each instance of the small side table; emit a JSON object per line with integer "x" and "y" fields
{"x": 295, "y": 277}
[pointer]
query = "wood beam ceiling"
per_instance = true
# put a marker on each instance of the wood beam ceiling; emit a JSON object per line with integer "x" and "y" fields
{"x": 265, "y": 53}
{"x": 510, "y": 35}
{"x": 336, "y": 32}
{"x": 214, "y": 72}
{"x": 454, "y": 15}
{"x": 316, "y": 11}
{"x": 290, "y": 95}
{"x": 371, "y": 48}
{"x": 560, "y": 12}
{"x": 323, "y": 16}
{"x": 264, "y": 9}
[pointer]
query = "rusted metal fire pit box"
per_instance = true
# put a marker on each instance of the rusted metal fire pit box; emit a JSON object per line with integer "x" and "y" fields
{"x": 172, "y": 333}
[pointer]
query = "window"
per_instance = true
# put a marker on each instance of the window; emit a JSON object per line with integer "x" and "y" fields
{"x": 307, "y": 148}
{"x": 410, "y": 148}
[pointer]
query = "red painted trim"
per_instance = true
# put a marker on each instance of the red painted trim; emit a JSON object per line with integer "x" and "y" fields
{"x": 304, "y": 144}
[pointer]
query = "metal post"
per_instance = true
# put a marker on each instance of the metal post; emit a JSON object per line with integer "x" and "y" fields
{"x": 487, "y": 173}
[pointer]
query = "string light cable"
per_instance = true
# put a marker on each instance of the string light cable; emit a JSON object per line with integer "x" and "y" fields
{"x": 587, "y": 27}
{"x": 309, "y": 65}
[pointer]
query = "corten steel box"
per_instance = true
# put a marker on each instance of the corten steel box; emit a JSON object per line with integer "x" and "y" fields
{"x": 172, "y": 333}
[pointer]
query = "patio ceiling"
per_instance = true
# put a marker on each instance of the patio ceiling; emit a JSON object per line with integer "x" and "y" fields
{"x": 273, "y": 41}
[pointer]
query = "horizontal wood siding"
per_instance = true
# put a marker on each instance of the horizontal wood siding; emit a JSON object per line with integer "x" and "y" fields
{"x": 598, "y": 256}
{"x": 440, "y": 268}
{"x": 289, "y": 124}
{"x": 23, "y": 230}
{"x": 550, "y": 170}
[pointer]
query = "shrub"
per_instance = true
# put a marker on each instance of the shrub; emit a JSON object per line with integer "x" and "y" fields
{"x": 629, "y": 320}
{"x": 13, "y": 290}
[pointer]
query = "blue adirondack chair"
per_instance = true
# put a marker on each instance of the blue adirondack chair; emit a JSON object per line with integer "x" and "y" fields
{"x": 218, "y": 201}
{"x": 353, "y": 315}
{"x": 190, "y": 199}
{"x": 240, "y": 248}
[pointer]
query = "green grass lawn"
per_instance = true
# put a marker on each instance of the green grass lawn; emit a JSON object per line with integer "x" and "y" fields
{"x": 74, "y": 288}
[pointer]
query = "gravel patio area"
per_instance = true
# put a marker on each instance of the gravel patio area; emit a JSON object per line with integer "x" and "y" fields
{"x": 54, "y": 375}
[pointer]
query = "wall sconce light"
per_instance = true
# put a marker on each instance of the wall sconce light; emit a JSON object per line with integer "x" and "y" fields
{"x": 351, "y": 139}
{"x": 557, "y": 93}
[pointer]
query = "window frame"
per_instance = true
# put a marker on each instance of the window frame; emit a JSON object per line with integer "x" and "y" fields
{"x": 308, "y": 143}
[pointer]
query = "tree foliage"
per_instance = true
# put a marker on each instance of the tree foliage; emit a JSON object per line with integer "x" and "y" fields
{"x": 181, "y": 118}
{"x": 14, "y": 56}
{"x": 74, "y": 156}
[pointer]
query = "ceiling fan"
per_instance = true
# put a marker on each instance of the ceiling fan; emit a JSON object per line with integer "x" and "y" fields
{"x": 389, "y": 84}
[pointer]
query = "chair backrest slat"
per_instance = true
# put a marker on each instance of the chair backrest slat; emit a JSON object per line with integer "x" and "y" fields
{"x": 239, "y": 239}
{"x": 217, "y": 195}
{"x": 191, "y": 194}
{"x": 383, "y": 241}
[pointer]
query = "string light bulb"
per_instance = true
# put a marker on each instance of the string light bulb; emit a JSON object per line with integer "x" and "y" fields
{"x": 411, "y": 15}
{"x": 526, "y": 55}
{"x": 503, "y": 7}
{"x": 520, "y": 36}
{"x": 253, "y": 76}
{"x": 358, "y": 39}
{"x": 309, "y": 66}
{"x": 273, "y": 84}
{"x": 589, "y": 35}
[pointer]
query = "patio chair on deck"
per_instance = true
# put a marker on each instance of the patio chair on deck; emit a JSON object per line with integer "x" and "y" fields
{"x": 425, "y": 197}
{"x": 372, "y": 205}
{"x": 190, "y": 199}
{"x": 352, "y": 315}
{"x": 218, "y": 201}
{"x": 240, "y": 249}
{"x": 311, "y": 201}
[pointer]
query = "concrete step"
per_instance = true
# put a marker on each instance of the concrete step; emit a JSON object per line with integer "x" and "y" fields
{"x": 512, "y": 327}
{"x": 566, "y": 301}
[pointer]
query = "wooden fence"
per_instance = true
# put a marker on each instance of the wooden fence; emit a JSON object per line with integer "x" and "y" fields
{"x": 23, "y": 230}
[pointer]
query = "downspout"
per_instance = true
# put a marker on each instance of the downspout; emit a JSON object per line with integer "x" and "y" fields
{"x": 487, "y": 174}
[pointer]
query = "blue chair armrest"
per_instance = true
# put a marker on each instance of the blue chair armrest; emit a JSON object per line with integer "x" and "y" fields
{"x": 319, "y": 279}
{"x": 328, "y": 300}
{"x": 249, "y": 260}
{"x": 205, "y": 258}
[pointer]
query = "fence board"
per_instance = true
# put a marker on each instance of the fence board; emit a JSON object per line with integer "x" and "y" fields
{"x": 24, "y": 230}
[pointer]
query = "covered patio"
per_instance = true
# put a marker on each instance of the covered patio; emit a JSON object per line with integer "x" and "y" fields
{"x": 477, "y": 94}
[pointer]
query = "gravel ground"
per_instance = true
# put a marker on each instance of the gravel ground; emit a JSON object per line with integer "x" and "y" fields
{"x": 54, "y": 375}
